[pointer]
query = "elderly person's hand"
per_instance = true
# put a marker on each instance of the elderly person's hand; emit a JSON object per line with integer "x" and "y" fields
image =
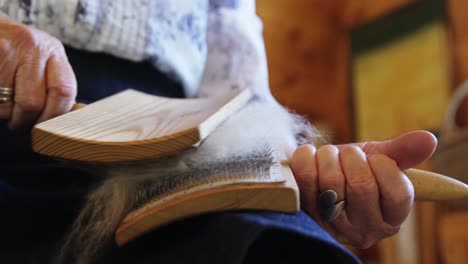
{"x": 369, "y": 177}
{"x": 35, "y": 65}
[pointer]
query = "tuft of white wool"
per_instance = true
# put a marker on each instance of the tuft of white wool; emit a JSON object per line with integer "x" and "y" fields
{"x": 260, "y": 123}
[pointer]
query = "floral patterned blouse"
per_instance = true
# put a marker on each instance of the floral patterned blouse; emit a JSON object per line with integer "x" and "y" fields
{"x": 209, "y": 46}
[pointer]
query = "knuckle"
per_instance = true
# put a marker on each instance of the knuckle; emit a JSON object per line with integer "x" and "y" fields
{"x": 403, "y": 198}
{"x": 56, "y": 46}
{"x": 25, "y": 34}
{"x": 5, "y": 47}
{"x": 406, "y": 196}
{"x": 40, "y": 41}
{"x": 64, "y": 91}
{"x": 352, "y": 152}
{"x": 56, "y": 43}
{"x": 307, "y": 148}
{"x": 327, "y": 148}
{"x": 304, "y": 152}
{"x": 350, "y": 149}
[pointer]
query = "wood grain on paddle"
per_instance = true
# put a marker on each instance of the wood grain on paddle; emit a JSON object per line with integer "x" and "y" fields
{"x": 133, "y": 126}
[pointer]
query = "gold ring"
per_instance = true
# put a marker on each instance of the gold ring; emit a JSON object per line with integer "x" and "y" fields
{"x": 6, "y": 91}
{"x": 6, "y": 99}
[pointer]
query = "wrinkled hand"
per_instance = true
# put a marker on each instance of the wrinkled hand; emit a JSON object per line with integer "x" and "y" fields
{"x": 369, "y": 176}
{"x": 34, "y": 64}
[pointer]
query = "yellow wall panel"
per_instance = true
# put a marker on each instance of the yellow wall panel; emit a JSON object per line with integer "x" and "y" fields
{"x": 402, "y": 85}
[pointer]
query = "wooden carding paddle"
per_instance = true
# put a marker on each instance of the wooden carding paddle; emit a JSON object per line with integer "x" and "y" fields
{"x": 132, "y": 125}
{"x": 275, "y": 196}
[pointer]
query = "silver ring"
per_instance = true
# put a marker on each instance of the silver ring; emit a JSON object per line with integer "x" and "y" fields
{"x": 6, "y": 91}
{"x": 5, "y": 99}
{"x": 330, "y": 207}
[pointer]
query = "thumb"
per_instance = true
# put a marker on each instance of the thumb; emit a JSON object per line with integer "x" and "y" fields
{"x": 407, "y": 150}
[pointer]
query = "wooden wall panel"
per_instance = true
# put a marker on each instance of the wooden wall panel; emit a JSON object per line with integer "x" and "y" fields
{"x": 357, "y": 12}
{"x": 459, "y": 39}
{"x": 402, "y": 85}
{"x": 308, "y": 60}
{"x": 459, "y": 27}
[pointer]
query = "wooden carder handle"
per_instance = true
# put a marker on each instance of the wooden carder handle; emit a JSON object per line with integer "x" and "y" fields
{"x": 430, "y": 186}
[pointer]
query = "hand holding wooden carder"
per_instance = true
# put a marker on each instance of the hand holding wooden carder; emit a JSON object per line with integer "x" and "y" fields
{"x": 133, "y": 126}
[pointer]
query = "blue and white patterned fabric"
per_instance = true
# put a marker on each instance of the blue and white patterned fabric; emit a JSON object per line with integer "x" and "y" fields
{"x": 209, "y": 46}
